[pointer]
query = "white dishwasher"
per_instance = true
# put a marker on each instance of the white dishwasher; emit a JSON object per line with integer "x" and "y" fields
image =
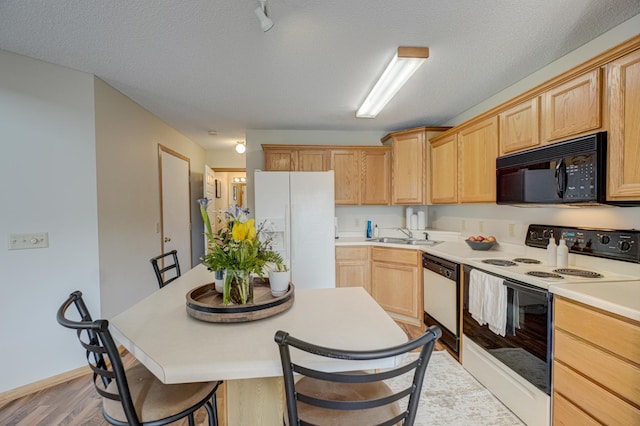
{"x": 442, "y": 298}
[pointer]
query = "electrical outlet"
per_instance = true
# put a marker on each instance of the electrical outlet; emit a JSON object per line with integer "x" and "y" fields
{"x": 28, "y": 241}
{"x": 463, "y": 225}
{"x": 512, "y": 229}
{"x": 481, "y": 226}
{"x": 356, "y": 223}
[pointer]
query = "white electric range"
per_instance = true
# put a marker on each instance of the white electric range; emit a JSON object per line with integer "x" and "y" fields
{"x": 516, "y": 366}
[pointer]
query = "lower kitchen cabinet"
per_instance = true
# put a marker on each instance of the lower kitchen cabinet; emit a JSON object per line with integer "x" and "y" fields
{"x": 596, "y": 373}
{"x": 396, "y": 282}
{"x": 352, "y": 267}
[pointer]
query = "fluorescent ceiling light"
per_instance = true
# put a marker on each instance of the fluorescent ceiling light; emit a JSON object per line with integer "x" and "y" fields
{"x": 404, "y": 63}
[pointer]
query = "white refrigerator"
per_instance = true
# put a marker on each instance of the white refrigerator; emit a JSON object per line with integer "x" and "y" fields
{"x": 300, "y": 207}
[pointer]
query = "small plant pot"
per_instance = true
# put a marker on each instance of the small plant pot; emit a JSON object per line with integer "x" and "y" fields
{"x": 279, "y": 282}
{"x": 219, "y": 281}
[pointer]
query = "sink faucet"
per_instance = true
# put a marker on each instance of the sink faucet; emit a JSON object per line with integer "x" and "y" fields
{"x": 406, "y": 232}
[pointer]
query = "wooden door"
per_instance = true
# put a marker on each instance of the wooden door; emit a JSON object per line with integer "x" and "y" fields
{"x": 345, "y": 164}
{"x": 519, "y": 127}
{"x": 623, "y": 81}
{"x": 175, "y": 205}
{"x": 573, "y": 107}
{"x": 408, "y": 168}
{"x": 478, "y": 150}
{"x": 444, "y": 170}
{"x": 376, "y": 176}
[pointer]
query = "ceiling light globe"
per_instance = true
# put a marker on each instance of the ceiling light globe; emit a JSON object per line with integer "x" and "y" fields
{"x": 240, "y": 148}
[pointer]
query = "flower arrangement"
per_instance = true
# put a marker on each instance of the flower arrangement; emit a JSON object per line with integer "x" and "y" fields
{"x": 237, "y": 246}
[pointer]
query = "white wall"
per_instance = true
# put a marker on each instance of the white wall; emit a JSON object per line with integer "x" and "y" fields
{"x": 48, "y": 184}
{"x": 127, "y": 139}
{"x": 225, "y": 158}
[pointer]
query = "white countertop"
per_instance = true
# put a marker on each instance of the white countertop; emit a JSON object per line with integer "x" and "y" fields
{"x": 622, "y": 298}
{"x": 178, "y": 348}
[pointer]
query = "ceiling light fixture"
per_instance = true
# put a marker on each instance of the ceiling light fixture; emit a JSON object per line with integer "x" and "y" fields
{"x": 240, "y": 147}
{"x": 404, "y": 63}
{"x": 261, "y": 13}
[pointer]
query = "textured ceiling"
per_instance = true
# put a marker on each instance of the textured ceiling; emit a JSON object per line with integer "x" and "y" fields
{"x": 202, "y": 65}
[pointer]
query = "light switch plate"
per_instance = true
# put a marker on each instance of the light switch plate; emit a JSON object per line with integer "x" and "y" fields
{"x": 28, "y": 241}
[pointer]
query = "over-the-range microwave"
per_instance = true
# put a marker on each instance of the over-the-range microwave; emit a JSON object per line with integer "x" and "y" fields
{"x": 571, "y": 173}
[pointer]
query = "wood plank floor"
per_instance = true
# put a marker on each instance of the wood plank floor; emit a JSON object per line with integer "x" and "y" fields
{"x": 77, "y": 403}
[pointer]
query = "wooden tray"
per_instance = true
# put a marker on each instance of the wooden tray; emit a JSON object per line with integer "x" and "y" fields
{"x": 205, "y": 303}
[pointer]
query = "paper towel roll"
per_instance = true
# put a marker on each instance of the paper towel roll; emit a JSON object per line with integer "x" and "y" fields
{"x": 408, "y": 213}
{"x": 421, "y": 220}
{"x": 414, "y": 221}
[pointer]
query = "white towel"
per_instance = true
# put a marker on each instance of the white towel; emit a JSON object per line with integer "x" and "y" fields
{"x": 488, "y": 301}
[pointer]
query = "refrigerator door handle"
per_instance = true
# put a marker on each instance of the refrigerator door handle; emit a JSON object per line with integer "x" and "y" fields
{"x": 287, "y": 231}
{"x": 292, "y": 236}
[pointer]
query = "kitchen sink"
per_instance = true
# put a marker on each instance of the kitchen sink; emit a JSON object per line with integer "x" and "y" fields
{"x": 408, "y": 241}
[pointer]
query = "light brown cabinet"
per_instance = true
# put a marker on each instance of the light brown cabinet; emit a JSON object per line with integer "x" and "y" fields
{"x": 396, "y": 282}
{"x": 352, "y": 267}
{"x": 362, "y": 175}
{"x": 295, "y": 158}
{"x": 520, "y": 127}
{"x": 478, "y": 150}
{"x": 444, "y": 170}
{"x": 573, "y": 107}
{"x": 623, "y": 82}
{"x": 595, "y": 369}
{"x": 463, "y": 164}
{"x": 409, "y": 161}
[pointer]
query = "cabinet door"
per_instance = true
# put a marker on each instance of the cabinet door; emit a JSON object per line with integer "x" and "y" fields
{"x": 312, "y": 160}
{"x": 444, "y": 170}
{"x": 623, "y": 81}
{"x": 408, "y": 169}
{"x": 573, "y": 107}
{"x": 519, "y": 127}
{"x": 478, "y": 149}
{"x": 345, "y": 164}
{"x": 280, "y": 160}
{"x": 376, "y": 176}
{"x": 395, "y": 288}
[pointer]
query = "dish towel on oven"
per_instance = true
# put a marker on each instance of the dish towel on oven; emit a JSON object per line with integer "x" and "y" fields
{"x": 488, "y": 301}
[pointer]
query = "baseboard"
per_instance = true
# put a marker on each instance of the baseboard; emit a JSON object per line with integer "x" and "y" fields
{"x": 25, "y": 390}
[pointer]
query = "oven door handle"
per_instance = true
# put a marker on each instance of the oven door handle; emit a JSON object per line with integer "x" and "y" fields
{"x": 516, "y": 286}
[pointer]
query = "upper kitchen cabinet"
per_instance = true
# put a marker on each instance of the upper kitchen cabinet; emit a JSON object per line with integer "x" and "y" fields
{"x": 519, "y": 127}
{"x": 573, "y": 107}
{"x": 623, "y": 82}
{"x": 362, "y": 175}
{"x": 443, "y": 166}
{"x": 409, "y": 164}
{"x": 295, "y": 158}
{"x": 478, "y": 150}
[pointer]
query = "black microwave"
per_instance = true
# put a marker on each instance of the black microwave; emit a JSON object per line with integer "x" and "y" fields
{"x": 572, "y": 172}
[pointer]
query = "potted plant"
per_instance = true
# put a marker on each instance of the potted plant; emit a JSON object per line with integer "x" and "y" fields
{"x": 279, "y": 277}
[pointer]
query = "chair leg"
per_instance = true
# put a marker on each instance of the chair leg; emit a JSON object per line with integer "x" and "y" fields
{"x": 213, "y": 421}
{"x": 214, "y": 409}
{"x": 191, "y": 421}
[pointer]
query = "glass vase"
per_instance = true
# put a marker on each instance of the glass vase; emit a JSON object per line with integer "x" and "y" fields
{"x": 238, "y": 287}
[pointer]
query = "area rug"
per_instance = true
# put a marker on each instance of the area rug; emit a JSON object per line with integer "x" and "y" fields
{"x": 451, "y": 396}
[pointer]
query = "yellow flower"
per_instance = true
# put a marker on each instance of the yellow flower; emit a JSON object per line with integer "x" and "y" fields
{"x": 244, "y": 231}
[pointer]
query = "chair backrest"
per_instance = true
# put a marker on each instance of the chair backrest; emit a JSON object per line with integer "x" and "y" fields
{"x": 419, "y": 366}
{"x": 169, "y": 262}
{"x": 101, "y": 352}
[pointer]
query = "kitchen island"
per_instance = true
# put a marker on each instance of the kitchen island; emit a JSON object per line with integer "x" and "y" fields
{"x": 178, "y": 348}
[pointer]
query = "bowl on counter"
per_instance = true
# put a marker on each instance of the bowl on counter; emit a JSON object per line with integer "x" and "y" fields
{"x": 480, "y": 245}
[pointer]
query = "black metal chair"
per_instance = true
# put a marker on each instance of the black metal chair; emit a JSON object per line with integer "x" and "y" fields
{"x": 355, "y": 397}
{"x": 161, "y": 273}
{"x": 134, "y": 396}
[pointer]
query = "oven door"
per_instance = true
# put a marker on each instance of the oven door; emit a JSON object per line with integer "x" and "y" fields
{"x": 526, "y": 346}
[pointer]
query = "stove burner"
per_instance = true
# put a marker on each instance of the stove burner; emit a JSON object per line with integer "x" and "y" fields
{"x": 578, "y": 273}
{"x": 526, "y": 260}
{"x": 499, "y": 262}
{"x": 541, "y": 274}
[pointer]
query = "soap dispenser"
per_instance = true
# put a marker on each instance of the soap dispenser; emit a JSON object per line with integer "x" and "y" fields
{"x": 552, "y": 252}
{"x": 562, "y": 258}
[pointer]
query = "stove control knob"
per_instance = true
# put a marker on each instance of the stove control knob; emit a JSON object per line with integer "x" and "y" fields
{"x": 604, "y": 239}
{"x": 624, "y": 245}
{"x": 533, "y": 235}
{"x": 546, "y": 233}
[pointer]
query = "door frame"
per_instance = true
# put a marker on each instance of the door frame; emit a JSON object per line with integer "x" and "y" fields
{"x": 161, "y": 149}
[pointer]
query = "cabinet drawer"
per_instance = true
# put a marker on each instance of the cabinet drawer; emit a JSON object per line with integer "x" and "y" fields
{"x": 567, "y": 414}
{"x": 612, "y": 333}
{"x": 591, "y": 398}
{"x": 352, "y": 253}
{"x": 390, "y": 255}
{"x": 619, "y": 376}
